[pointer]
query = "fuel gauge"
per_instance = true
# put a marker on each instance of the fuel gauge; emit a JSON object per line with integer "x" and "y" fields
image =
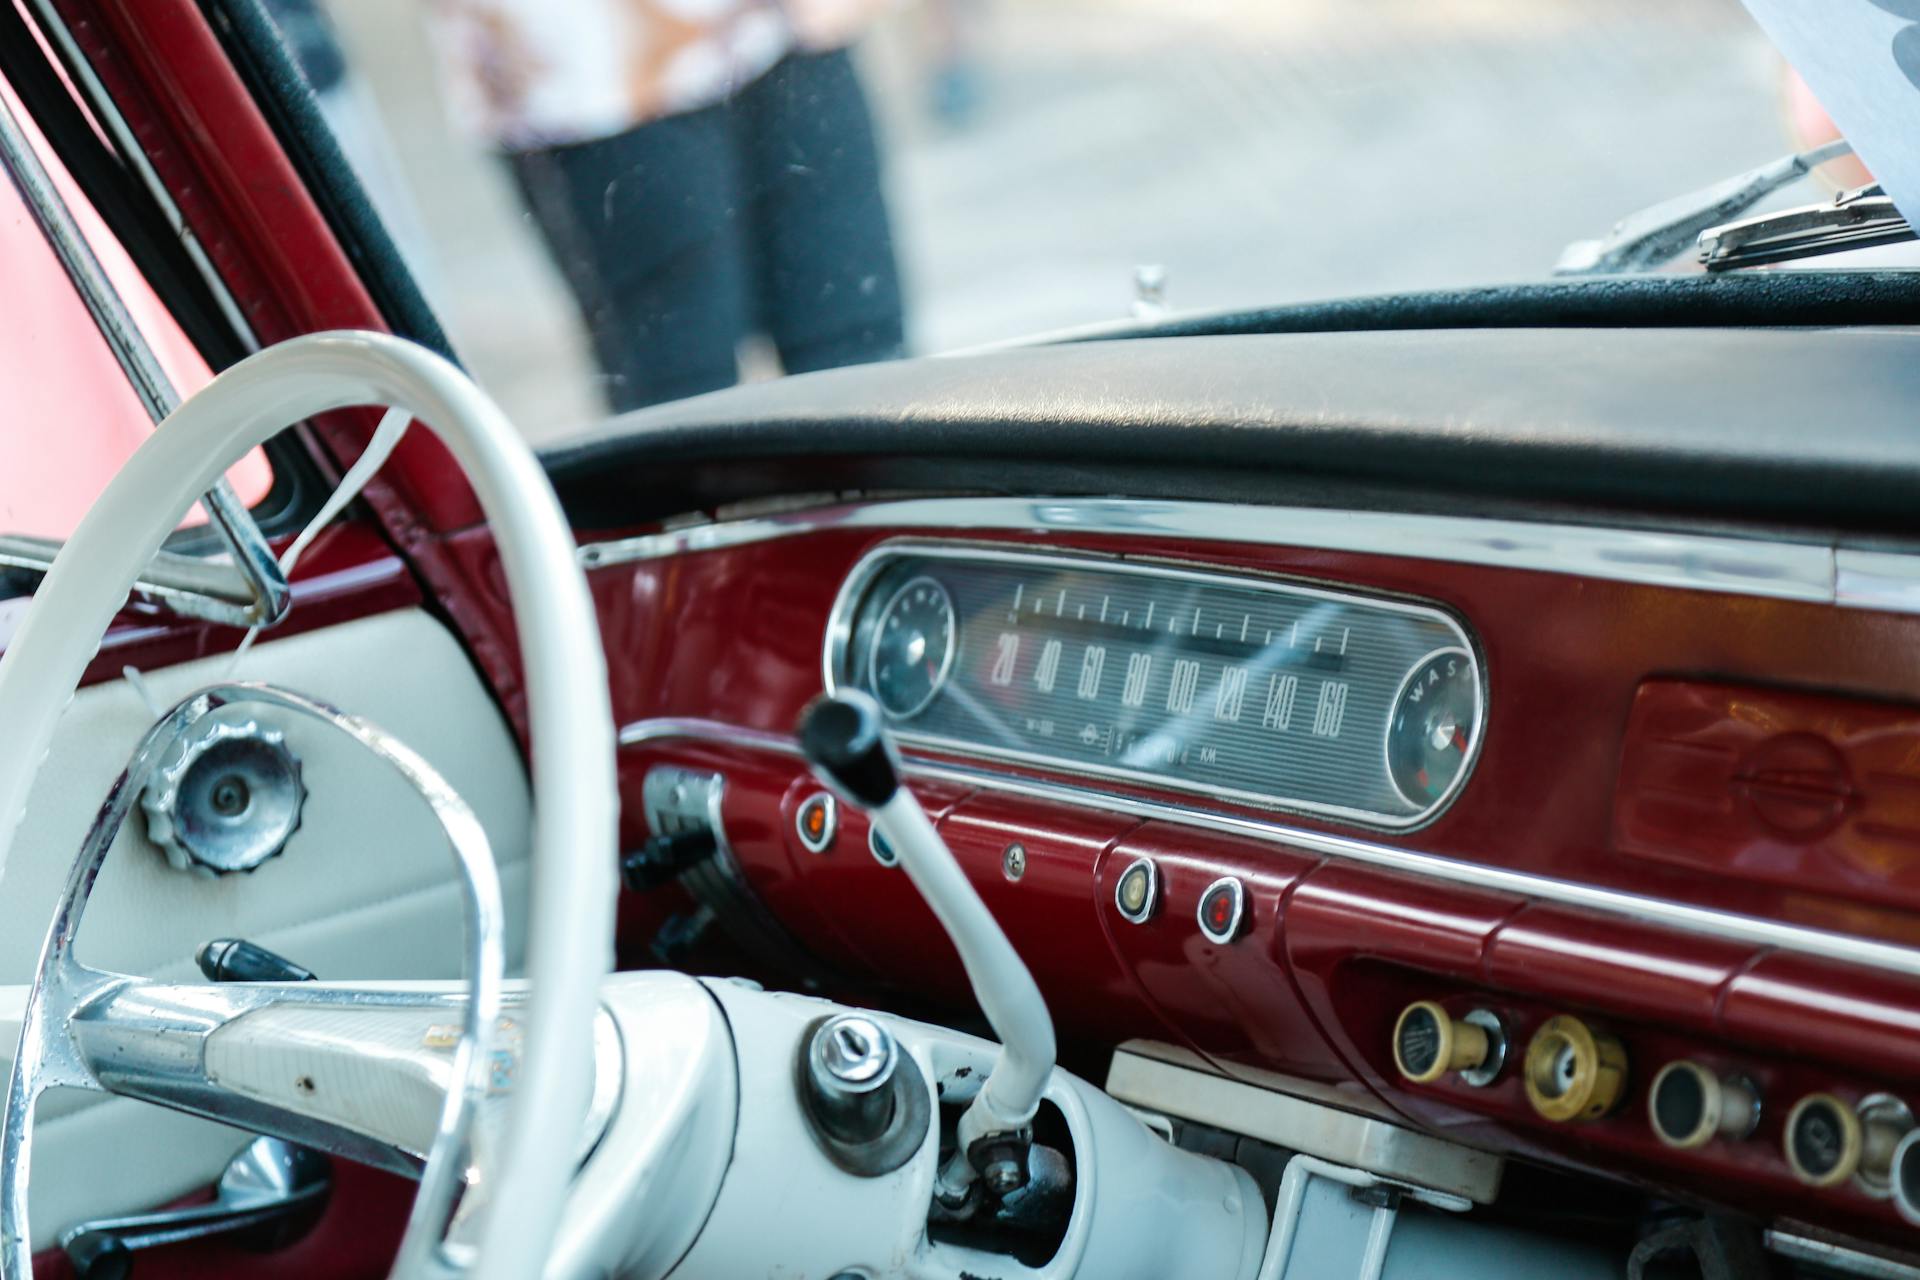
{"x": 912, "y": 648}
{"x": 1431, "y": 726}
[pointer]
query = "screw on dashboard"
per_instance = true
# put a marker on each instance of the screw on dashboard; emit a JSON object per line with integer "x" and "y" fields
{"x": 1013, "y": 862}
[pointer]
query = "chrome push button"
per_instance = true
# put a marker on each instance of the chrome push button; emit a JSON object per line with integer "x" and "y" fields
{"x": 817, "y": 821}
{"x": 1137, "y": 895}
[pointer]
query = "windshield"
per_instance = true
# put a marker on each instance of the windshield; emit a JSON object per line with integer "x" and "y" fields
{"x": 612, "y": 203}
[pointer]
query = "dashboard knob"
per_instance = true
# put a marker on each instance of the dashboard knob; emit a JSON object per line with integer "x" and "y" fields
{"x": 1822, "y": 1140}
{"x": 1688, "y": 1105}
{"x": 843, "y": 735}
{"x": 1828, "y": 1142}
{"x": 1428, "y": 1042}
{"x": 1904, "y": 1177}
{"x": 226, "y": 796}
{"x": 1574, "y": 1073}
{"x": 850, "y": 1064}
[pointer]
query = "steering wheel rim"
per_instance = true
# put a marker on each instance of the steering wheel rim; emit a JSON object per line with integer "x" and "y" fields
{"x": 575, "y": 804}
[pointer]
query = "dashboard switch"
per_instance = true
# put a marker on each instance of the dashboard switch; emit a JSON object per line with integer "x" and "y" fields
{"x": 1689, "y": 1106}
{"x": 1428, "y": 1042}
{"x": 1905, "y": 1177}
{"x": 1828, "y": 1142}
{"x": 1574, "y": 1073}
{"x": 1823, "y": 1140}
{"x": 1223, "y": 909}
{"x": 1137, "y": 895}
{"x": 817, "y": 821}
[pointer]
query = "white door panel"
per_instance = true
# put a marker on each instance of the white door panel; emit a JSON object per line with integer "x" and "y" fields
{"x": 364, "y": 889}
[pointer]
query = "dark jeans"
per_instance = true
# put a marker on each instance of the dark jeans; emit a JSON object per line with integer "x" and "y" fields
{"x": 759, "y": 215}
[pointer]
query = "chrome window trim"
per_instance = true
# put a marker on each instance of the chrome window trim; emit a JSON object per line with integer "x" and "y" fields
{"x": 836, "y": 658}
{"x": 1887, "y": 957}
{"x": 263, "y": 595}
{"x": 1819, "y": 572}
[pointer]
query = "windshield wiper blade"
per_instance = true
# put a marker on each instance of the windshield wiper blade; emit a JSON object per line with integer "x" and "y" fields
{"x": 1854, "y": 219}
{"x": 1659, "y": 233}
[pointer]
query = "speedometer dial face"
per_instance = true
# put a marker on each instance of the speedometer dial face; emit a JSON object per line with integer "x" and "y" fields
{"x": 913, "y": 644}
{"x": 1431, "y": 726}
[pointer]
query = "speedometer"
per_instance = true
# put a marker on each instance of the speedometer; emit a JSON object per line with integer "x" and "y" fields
{"x": 1245, "y": 688}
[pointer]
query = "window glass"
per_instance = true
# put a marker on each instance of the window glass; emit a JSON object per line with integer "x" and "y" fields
{"x": 73, "y": 417}
{"x": 617, "y": 201}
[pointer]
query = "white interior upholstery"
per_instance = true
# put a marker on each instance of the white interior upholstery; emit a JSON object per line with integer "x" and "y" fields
{"x": 363, "y": 890}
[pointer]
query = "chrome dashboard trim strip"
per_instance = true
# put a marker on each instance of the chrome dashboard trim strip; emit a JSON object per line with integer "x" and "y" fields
{"x": 1703, "y": 921}
{"x": 1818, "y": 572}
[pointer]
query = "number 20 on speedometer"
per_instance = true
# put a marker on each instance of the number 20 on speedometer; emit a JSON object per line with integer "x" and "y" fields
{"x": 1430, "y": 729}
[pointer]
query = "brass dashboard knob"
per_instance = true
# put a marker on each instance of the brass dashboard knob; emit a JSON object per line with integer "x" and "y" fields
{"x": 1688, "y": 1105}
{"x": 1574, "y": 1072}
{"x": 1428, "y": 1042}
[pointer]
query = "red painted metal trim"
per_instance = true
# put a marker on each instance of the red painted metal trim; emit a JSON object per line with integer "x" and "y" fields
{"x": 235, "y": 187}
{"x": 246, "y": 203}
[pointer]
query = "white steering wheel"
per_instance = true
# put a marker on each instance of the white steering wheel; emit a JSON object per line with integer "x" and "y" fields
{"x": 575, "y": 804}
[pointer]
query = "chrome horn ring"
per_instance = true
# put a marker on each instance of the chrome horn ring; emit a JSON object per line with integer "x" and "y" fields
{"x": 66, "y": 995}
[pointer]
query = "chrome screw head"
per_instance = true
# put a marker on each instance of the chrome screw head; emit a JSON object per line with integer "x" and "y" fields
{"x": 1014, "y": 861}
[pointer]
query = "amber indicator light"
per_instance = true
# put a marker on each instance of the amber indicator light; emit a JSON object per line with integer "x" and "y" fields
{"x": 815, "y": 822}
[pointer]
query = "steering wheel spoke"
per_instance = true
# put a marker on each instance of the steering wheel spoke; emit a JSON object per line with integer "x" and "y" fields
{"x": 392, "y": 1076}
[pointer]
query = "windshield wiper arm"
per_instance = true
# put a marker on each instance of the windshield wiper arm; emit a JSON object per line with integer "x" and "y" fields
{"x": 1641, "y": 241}
{"x": 1853, "y": 219}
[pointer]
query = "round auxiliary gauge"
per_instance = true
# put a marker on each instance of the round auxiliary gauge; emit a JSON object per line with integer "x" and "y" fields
{"x": 1431, "y": 727}
{"x": 913, "y": 644}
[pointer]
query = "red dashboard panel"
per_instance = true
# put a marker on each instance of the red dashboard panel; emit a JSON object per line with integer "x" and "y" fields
{"x": 1579, "y": 673}
{"x": 1787, "y": 788}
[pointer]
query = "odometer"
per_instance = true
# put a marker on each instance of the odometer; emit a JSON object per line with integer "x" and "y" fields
{"x": 1254, "y": 690}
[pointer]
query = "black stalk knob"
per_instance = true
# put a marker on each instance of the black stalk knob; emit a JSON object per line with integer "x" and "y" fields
{"x": 237, "y": 960}
{"x": 663, "y": 858}
{"x": 844, "y": 738}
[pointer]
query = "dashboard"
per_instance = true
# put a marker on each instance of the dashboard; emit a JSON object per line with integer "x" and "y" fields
{"x": 1676, "y": 875}
{"x": 1206, "y": 875}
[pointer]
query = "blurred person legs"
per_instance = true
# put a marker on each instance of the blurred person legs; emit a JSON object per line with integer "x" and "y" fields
{"x": 762, "y": 214}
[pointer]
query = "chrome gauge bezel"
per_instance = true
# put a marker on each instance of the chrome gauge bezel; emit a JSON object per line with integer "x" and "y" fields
{"x": 841, "y": 643}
